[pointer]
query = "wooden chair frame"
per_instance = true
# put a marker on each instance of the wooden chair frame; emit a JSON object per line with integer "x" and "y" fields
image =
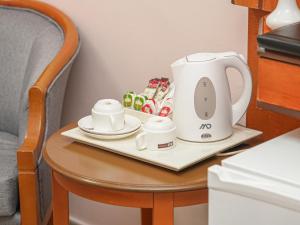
{"x": 29, "y": 151}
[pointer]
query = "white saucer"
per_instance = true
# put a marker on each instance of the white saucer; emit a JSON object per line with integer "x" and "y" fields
{"x": 108, "y": 137}
{"x": 132, "y": 124}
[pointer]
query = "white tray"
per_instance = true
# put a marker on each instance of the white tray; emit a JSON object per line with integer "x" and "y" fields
{"x": 185, "y": 153}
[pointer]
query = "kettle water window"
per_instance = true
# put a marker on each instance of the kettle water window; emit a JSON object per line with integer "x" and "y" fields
{"x": 205, "y": 99}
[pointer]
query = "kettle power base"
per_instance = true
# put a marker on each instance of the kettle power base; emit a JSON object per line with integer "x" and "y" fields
{"x": 184, "y": 155}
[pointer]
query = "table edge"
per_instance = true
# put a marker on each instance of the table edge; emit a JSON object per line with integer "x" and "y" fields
{"x": 123, "y": 186}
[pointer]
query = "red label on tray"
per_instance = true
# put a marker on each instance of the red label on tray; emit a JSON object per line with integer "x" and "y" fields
{"x": 166, "y": 145}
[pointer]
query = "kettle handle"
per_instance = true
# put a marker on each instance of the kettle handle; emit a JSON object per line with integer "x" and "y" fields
{"x": 237, "y": 61}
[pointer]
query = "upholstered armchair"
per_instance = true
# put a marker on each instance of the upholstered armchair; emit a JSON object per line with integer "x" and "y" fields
{"x": 38, "y": 45}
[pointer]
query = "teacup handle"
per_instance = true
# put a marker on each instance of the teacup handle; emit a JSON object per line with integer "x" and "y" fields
{"x": 140, "y": 141}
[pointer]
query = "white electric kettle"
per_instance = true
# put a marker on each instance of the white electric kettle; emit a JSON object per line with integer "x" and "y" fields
{"x": 203, "y": 110}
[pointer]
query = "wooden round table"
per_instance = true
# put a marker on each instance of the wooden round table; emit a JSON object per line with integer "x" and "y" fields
{"x": 113, "y": 179}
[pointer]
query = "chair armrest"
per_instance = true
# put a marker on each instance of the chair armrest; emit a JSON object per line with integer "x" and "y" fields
{"x": 29, "y": 151}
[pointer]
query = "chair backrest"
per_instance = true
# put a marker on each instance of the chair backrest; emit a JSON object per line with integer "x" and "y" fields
{"x": 28, "y": 43}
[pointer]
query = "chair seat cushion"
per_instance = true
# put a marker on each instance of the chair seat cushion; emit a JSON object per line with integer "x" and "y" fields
{"x": 11, "y": 220}
{"x": 8, "y": 174}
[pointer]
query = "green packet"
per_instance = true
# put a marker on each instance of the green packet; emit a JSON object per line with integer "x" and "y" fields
{"x": 128, "y": 99}
{"x": 139, "y": 101}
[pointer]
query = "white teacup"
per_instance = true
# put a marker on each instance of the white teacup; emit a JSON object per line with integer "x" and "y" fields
{"x": 158, "y": 134}
{"x": 108, "y": 115}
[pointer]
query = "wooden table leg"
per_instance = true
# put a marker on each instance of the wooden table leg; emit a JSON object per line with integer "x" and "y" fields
{"x": 163, "y": 209}
{"x": 60, "y": 203}
{"x": 146, "y": 216}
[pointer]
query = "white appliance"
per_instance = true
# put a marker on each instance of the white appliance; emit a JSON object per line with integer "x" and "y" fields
{"x": 286, "y": 12}
{"x": 258, "y": 187}
{"x": 203, "y": 110}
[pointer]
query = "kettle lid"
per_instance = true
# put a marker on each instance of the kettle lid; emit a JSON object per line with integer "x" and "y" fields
{"x": 200, "y": 57}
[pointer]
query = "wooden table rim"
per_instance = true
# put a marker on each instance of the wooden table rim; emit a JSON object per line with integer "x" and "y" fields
{"x": 157, "y": 208}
